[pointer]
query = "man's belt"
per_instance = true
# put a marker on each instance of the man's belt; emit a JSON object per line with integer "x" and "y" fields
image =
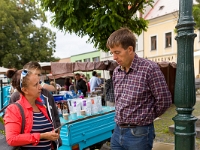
{"x": 124, "y": 125}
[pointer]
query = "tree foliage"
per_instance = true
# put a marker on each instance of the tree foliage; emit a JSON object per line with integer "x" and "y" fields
{"x": 21, "y": 40}
{"x": 97, "y": 18}
{"x": 196, "y": 14}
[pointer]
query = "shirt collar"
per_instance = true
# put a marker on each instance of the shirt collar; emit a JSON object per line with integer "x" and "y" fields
{"x": 27, "y": 104}
{"x": 133, "y": 66}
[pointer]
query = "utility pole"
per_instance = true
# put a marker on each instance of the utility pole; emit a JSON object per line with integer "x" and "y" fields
{"x": 185, "y": 95}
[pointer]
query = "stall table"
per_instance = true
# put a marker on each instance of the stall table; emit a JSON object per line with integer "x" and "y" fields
{"x": 87, "y": 131}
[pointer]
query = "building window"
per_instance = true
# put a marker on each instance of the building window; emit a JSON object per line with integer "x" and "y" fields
{"x": 87, "y": 60}
{"x": 78, "y": 60}
{"x": 168, "y": 39}
{"x": 96, "y": 59}
{"x": 153, "y": 43}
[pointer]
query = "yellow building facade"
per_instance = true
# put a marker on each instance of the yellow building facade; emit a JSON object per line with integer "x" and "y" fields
{"x": 159, "y": 40}
{"x": 155, "y": 48}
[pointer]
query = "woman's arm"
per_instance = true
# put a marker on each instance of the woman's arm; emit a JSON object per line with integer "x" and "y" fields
{"x": 48, "y": 87}
{"x": 13, "y": 122}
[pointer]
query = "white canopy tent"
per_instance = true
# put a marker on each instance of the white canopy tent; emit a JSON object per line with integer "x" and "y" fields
{"x": 46, "y": 67}
{"x": 3, "y": 70}
{"x": 45, "y": 64}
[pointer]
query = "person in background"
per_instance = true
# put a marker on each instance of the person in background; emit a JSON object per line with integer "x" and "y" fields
{"x": 47, "y": 86}
{"x": 94, "y": 81}
{"x": 46, "y": 96}
{"x": 110, "y": 99}
{"x": 101, "y": 79}
{"x": 88, "y": 85}
{"x": 141, "y": 94}
{"x": 72, "y": 87}
{"x": 39, "y": 130}
{"x": 68, "y": 82}
{"x": 86, "y": 81}
{"x": 12, "y": 89}
{"x": 83, "y": 77}
{"x": 56, "y": 86}
{"x": 80, "y": 84}
{"x": 44, "y": 85}
{"x": 52, "y": 83}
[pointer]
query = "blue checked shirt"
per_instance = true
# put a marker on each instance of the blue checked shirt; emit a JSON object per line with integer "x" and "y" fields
{"x": 142, "y": 94}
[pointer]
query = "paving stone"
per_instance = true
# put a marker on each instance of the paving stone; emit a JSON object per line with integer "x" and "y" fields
{"x": 163, "y": 146}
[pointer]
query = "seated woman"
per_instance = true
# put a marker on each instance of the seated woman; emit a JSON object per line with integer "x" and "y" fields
{"x": 68, "y": 83}
{"x": 39, "y": 132}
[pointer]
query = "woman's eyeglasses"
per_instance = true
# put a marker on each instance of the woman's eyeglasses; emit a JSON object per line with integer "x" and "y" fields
{"x": 23, "y": 74}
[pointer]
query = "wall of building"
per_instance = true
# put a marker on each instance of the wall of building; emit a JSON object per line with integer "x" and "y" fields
{"x": 65, "y": 60}
{"x": 197, "y": 49}
{"x": 139, "y": 49}
{"x": 87, "y": 57}
{"x": 159, "y": 27}
{"x": 103, "y": 57}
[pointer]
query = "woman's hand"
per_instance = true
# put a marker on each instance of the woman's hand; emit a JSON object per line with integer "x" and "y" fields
{"x": 52, "y": 136}
{"x": 58, "y": 131}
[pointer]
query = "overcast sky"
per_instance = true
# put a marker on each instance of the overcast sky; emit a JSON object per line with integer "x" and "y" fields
{"x": 69, "y": 44}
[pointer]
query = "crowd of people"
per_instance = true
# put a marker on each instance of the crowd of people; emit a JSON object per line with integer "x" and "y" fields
{"x": 79, "y": 82}
{"x": 137, "y": 88}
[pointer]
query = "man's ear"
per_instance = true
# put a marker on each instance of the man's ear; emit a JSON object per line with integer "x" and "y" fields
{"x": 130, "y": 49}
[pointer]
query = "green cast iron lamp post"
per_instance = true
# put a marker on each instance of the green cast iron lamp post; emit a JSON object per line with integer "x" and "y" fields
{"x": 185, "y": 96}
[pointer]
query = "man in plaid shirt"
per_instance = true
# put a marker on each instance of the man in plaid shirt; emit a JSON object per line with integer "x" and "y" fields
{"x": 141, "y": 94}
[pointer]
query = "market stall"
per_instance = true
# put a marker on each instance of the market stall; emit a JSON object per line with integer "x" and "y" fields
{"x": 93, "y": 128}
{"x": 87, "y": 131}
{"x": 64, "y": 68}
{"x": 167, "y": 68}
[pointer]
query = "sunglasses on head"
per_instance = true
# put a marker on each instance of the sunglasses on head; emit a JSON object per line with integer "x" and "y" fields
{"x": 23, "y": 74}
